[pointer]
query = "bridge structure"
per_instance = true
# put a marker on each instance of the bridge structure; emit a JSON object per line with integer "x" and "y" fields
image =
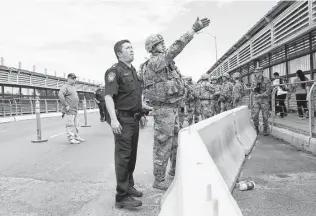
{"x": 282, "y": 41}
{"x": 214, "y": 156}
{"x": 20, "y": 88}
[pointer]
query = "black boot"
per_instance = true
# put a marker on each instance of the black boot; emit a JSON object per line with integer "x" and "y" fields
{"x": 266, "y": 131}
{"x": 127, "y": 202}
{"x": 135, "y": 193}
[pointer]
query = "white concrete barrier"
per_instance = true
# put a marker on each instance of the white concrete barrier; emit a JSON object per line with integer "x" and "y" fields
{"x": 196, "y": 173}
{"x": 223, "y": 146}
{"x": 246, "y": 133}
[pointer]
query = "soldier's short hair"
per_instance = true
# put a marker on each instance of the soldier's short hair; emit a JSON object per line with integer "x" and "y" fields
{"x": 118, "y": 46}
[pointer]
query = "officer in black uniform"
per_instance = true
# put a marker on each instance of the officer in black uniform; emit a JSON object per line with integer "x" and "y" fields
{"x": 99, "y": 99}
{"x": 123, "y": 97}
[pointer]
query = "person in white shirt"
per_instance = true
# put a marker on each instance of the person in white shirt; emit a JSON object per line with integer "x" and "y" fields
{"x": 280, "y": 95}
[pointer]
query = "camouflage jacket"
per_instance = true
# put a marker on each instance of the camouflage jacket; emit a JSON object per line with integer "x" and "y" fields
{"x": 205, "y": 93}
{"x": 161, "y": 78}
{"x": 190, "y": 92}
{"x": 238, "y": 91}
{"x": 215, "y": 91}
{"x": 227, "y": 90}
{"x": 261, "y": 89}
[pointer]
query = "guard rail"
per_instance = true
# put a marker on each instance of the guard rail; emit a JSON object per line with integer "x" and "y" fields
{"x": 17, "y": 106}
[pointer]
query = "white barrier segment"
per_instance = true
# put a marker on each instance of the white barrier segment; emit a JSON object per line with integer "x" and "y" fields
{"x": 222, "y": 144}
{"x": 195, "y": 172}
{"x": 246, "y": 133}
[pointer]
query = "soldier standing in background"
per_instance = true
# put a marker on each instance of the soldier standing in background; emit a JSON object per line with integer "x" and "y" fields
{"x": 215, "y": 93}
{"x": 205, "y": 98}
{"x": 197, "y": 93}
{"x": 219, "y": 84}
{"x": 191, "y": 101}
{"x": 164, "y": 89}
{"x": 262, "y": 90}
{"x": 226, "y": 93}
{"x": 238, "y": 90}
{"x": 99, "y": 99}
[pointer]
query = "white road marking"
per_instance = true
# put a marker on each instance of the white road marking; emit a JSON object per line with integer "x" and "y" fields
{"x": 3, "y": 131}
{"x": 57, "y": 135}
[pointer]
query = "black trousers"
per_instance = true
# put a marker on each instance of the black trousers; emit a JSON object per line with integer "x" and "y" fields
{"x": 281, "y": 108}
{"x": 102, "y": 109}
{"x": 301, "y": 102}
{"x": 125, "y": 155}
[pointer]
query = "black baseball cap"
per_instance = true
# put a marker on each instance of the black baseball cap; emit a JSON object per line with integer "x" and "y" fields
{"x": 72, "y": 75}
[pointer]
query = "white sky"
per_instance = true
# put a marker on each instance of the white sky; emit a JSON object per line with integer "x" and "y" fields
{"x": 78, "y": 35}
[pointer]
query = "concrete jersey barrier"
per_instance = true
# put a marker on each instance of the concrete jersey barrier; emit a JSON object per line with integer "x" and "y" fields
{"x": 246, "y": 133}
{"x": 198, "y": 187}
{"x": 223, "y": 146}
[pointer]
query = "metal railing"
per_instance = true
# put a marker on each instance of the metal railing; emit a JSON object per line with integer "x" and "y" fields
{"x": 17, "y": 106}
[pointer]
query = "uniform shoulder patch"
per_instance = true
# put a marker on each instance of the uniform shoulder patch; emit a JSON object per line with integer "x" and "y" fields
{"x": 111, "y": 76}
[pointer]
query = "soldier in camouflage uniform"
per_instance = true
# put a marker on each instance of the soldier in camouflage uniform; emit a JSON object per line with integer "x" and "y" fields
{"x": 215, "y": 93}
{"x": 238, "y": 90}
{"x": 205, "y": 98}
{"x": 226, "y": 96}
{"x": 164, "y": 88}
{"x": 197, "y": 91}
{"x": 181, "y": 111}
{"x": 192, "y": 102}
{"x": 219, "y": 83}
{"x": 261, "y": 89}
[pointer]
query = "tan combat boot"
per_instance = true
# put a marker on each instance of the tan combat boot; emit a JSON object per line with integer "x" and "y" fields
{"x": 161, "y": 185}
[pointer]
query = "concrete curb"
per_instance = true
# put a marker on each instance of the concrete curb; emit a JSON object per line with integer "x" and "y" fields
{"x": 297, "y": 140}
{"x": 43, "y": 115}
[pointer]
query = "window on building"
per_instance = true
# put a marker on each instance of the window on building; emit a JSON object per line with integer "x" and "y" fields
{"x": 52, "y": 94}
{"x": 27, "y": 92}
{"x": 41, "y": 93}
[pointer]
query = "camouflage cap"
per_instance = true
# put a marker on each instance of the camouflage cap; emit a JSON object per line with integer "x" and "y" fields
{"x": 213, "y": 77}
{"x": 236, "y": 75}
{"x": 226, "y": 75}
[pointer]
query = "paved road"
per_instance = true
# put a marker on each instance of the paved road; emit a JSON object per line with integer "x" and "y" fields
{"x": 56, "y": 178}
{"x": 285, "y": 181}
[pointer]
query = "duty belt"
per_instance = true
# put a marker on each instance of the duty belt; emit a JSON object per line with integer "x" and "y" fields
{"x": 127, "y": 113}
{"x": 171, "y": 105}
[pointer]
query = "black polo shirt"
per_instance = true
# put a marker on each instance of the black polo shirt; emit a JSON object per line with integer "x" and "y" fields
{"x": 99, "y": 95}
{"x": 122, "y": 82}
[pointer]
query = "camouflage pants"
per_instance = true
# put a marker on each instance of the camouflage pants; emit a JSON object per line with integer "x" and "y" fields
{"x": 197, "y": 112}
{"x": 237, "y": 103}
{"x": 192, "y": 108}
{"x": 206, "y": 109}
{"x": 214, "y": 107}
{"x": 264, "y": 107}
{"x": 226, "y": 105}
{"x": 166, "y": 128}
{"x": 181, "y": 115}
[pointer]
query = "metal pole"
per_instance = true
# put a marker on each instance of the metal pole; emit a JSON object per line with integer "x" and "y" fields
{"x": 85, "y": 113}
{"x": 215, "y": 46}
{"x": 38, "y": 124}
